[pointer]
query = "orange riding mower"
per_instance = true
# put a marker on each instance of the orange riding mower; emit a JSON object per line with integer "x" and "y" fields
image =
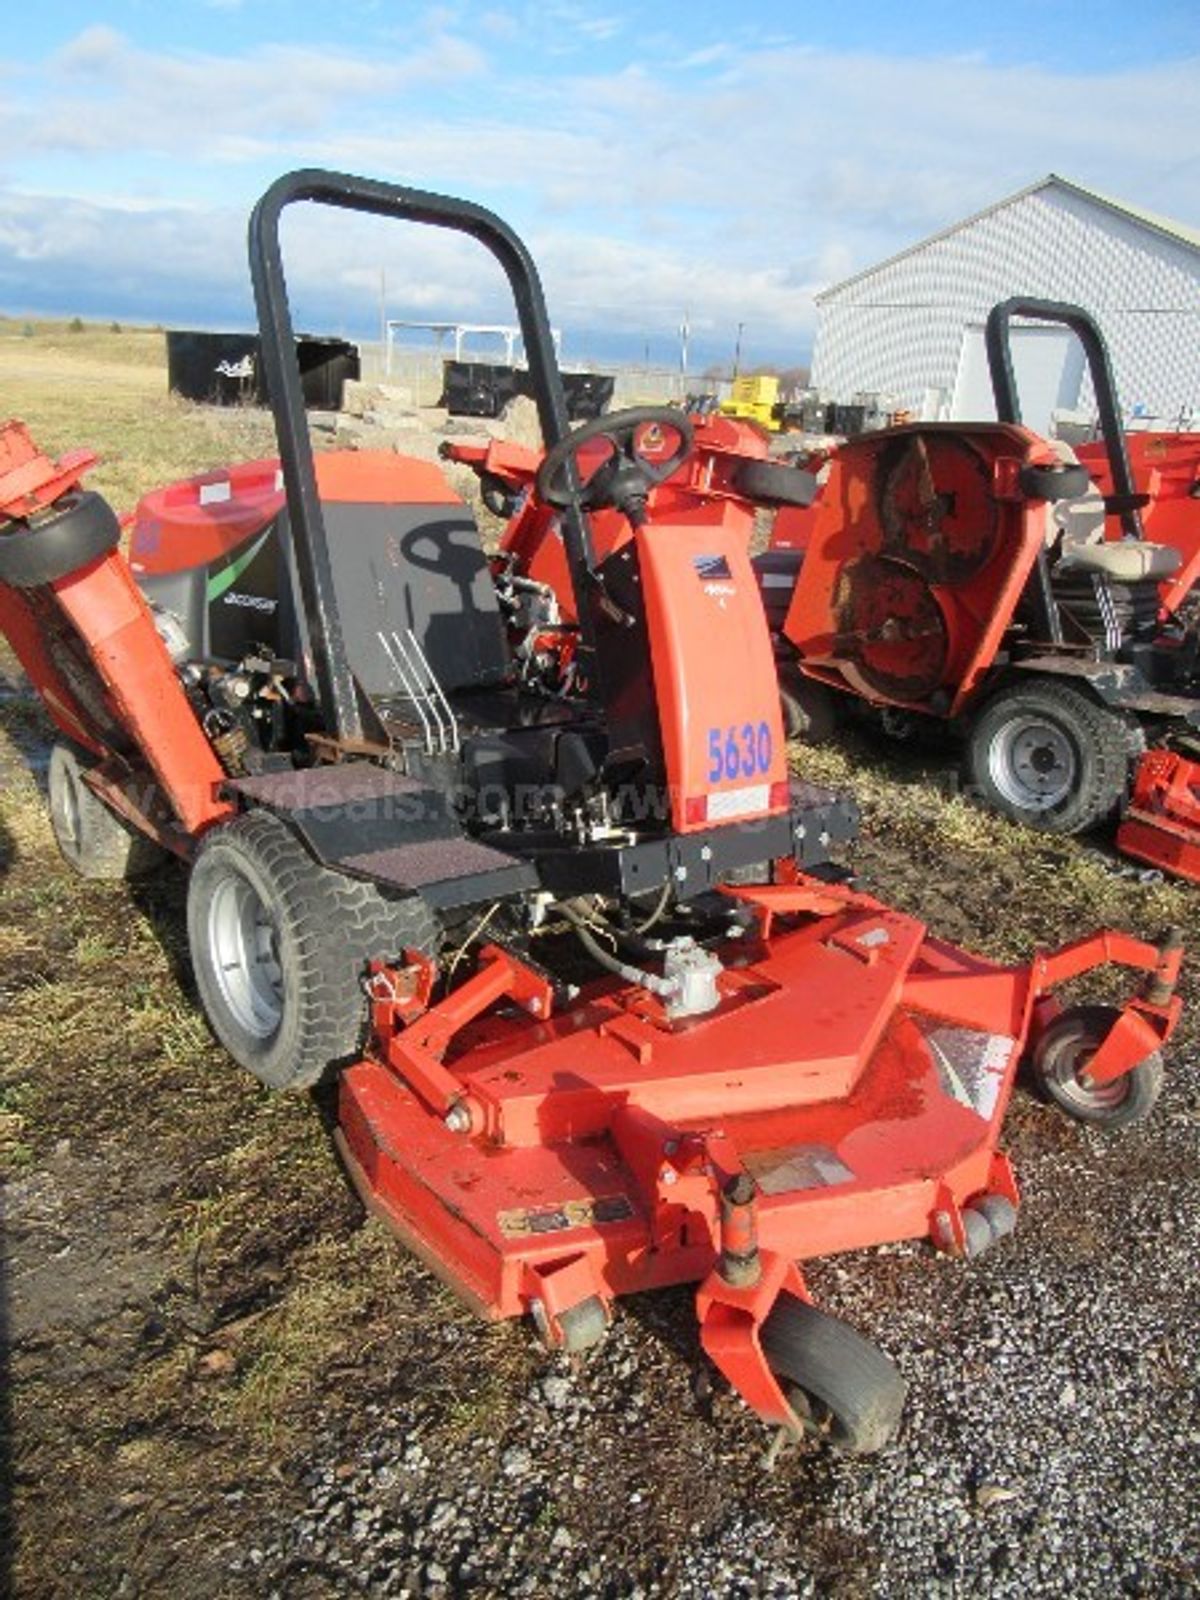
{"x": 602, "y": 1011}
{"x": 1038, "y": 606}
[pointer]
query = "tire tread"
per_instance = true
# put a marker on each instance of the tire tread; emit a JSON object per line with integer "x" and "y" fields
{"x": 1110, "y": 746}
{"x": 338, "y": 923}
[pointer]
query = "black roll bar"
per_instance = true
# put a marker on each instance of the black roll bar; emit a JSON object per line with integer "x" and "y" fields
{"x": 335, "y": 682}
{"x": 1124, "y": 501}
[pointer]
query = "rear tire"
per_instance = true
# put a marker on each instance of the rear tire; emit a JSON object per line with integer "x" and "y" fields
{"x": 93, "y": 839}
{"x": 808, "y": 707}
{"x": 846, "y": 1390}
{"x": 1046, "y": 754}
{"x": 279, "y": 946}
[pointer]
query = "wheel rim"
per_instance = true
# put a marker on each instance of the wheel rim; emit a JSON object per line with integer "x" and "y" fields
{"x": 1062, "y": 1074}
{"x": 1033, "y": 763}
{"x": 244, "y": 944}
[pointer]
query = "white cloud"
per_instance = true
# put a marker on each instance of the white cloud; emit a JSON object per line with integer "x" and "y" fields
{"x": 499, "y": 24}
{"x": 735, "y": 190}
{"x": 105, "y": 94}
{"x": 707, "y": 56}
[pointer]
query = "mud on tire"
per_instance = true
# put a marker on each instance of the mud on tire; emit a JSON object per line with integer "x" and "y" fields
{"x": 279, "y": 946}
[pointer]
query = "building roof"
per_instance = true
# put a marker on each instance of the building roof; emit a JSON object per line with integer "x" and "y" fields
{"x": 1177, "y": 232}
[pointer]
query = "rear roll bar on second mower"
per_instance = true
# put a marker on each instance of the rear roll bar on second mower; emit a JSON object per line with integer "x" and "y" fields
{"x": 1125, "y": 502}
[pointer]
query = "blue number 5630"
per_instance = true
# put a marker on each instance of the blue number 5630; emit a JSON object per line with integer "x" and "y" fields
{"x": 738, "y": 752}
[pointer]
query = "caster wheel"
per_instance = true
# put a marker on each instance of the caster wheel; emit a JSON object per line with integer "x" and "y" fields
{"x": 1060, "y": 1060}
{"x": 846, "y": 1391}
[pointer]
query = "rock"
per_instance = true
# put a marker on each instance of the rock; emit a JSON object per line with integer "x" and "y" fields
{"x": 516, "y": 1461}
{"x": 359, "y": 399}
{"x": 556, "y": 1392}
{"x": 520, "y": 422}
{"x": 216, "y": 1363}
{"x": 993, "y": 1494}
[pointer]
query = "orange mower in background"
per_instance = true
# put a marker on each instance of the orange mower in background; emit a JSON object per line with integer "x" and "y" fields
{"x": 510, "y": 856}
{"x": 978, "y": 577}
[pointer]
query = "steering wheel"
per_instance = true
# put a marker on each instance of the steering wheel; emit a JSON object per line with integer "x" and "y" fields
{"x": 625, "y": 477}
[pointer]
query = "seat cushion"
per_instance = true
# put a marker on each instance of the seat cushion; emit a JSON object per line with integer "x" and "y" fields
{"x": 1125, "y": 560}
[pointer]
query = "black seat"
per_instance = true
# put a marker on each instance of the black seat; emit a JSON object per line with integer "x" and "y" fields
{"x": 405, "y": 572}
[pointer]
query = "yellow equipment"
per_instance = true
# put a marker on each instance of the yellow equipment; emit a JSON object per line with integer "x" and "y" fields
{"x": 754, "y": 398}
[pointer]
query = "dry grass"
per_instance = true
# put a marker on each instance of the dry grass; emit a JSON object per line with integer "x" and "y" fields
{"x": 108, "y": 391}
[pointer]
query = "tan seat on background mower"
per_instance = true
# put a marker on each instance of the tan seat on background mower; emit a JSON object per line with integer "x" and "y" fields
{"x": 1080, "y": 523}
{"x": 1124, "y": 560}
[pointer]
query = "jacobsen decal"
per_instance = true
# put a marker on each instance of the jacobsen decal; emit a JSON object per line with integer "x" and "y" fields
{"x": 221, "y": 582}
{"x": 735, "y": 752}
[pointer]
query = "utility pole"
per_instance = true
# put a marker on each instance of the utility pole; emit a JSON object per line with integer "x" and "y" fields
{"x": 737, "y": 351}
{"x": 683, "y": 345}
{"x": 383, "y": 338}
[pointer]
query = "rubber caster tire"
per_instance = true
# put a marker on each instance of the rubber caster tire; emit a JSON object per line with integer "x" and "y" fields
{"x": 279, "y": 946}
{"x": 1063, "y": 1052}
{"x": 93, "y": 840}
{"x": 1064, "y": 481}
{"x": 774, "y": 483}
{"x": 1046, "y": 754}
{"x": 77, "y": 530}
{"x": 846, "y": 1390}
{"x": 580, "y": 1327}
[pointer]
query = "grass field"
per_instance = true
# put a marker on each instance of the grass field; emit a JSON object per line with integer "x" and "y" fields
{"x": 107, "y": 390}
{"x": 196, "y": 1306}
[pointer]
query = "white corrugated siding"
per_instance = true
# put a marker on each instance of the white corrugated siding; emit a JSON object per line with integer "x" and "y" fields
{"x": 899, "y": 329}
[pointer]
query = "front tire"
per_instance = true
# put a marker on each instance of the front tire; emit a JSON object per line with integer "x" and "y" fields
{"x": 279, "y": 946}
{"x": 1046, "y": 754}
{"x": 847, "y": 1392}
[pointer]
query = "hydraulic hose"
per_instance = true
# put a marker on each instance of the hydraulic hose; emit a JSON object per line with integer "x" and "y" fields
{"x": 649, "y": 981}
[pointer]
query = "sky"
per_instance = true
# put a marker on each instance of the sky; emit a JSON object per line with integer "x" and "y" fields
{"x": 663, "y": 159}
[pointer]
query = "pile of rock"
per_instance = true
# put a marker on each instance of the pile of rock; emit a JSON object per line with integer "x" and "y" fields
{"x": 384, "y": 416}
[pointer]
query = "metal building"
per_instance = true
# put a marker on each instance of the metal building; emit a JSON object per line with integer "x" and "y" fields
{"x": 911, "y": 328}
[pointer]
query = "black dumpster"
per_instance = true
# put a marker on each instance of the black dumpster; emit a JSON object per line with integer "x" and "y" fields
{"x": 484, "y": 388}
{"x": 588, "y": 394}
{"x": 224, "y": 369}
{"x": 478, "y": 388}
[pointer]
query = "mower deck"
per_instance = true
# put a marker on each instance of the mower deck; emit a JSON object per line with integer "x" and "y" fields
{"x": 847, "y": 1090}
{"x": 603, "y": 1133}
{"x": 1161, "y": 825}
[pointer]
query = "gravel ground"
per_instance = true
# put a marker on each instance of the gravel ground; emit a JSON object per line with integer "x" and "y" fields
{"x": 1049, "y": 1444}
